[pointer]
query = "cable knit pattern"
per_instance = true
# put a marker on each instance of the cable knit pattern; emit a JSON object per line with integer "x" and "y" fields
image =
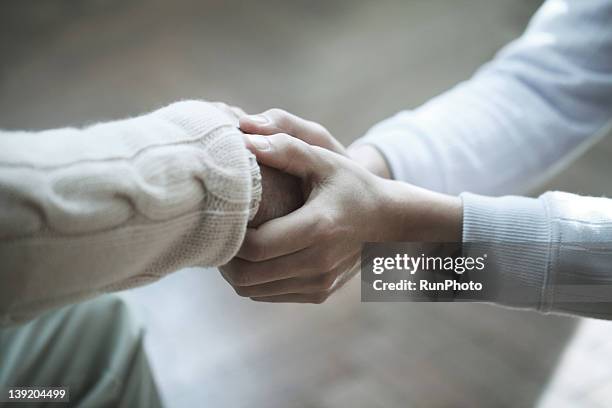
{"x": 119, "y": 204}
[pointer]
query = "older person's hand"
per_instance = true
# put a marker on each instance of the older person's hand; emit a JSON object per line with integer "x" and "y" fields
{"x": 308, "y": 254}
{"x": 281, "y": 192}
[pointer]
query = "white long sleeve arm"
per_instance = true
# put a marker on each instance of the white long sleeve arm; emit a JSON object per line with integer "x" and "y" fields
{"x": 545, "y": 98}
{"x": 119, "y": 204}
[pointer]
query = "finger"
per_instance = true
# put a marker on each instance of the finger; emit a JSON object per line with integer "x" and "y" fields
{"x": 305, "y": 263}
{"x": 279, "y": 121}
{"x": 315, "y": 298}
{"x": 346, "y": 272}
{"x": 323, "y": 282}
{"x": 316, "y": 289}
{"x": 283, "y": 235}
{"x": 313, "y": 284}
{"x": 287, "y": 154}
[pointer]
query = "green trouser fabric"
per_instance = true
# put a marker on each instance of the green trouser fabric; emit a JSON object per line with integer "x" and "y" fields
{"x": 95, "y": 348}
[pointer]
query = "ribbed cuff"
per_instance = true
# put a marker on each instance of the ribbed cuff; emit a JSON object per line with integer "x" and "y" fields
{"x": 230, "y": 173}
{"x": 516, "y": 234}
{"x": 256, "y": 189}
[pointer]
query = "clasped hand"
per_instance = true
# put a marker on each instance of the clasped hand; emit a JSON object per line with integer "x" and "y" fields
{"x": 308, "y": 254}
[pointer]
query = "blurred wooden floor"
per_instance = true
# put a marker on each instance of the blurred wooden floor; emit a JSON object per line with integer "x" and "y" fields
{"x": 346, "y": 64}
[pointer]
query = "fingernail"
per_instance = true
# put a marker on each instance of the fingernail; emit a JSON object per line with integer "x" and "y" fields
{"x": 259, "y": 119}
{"x": 259, "y": 142}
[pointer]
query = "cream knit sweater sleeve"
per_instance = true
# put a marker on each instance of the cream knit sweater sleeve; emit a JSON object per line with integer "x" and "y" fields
{"x": 119, "y": 204}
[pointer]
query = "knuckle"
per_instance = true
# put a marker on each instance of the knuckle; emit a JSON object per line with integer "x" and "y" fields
{"x": 278, "y": 116}
{"x": 242, "y": 291}
{"x": 289, "y": 141}
{"x": 325, "y": 225}
{"x": 284, "y": 138}
{"x": 276, "y": 111}
{"x": 320, "y": 129}
{"x": 253, "y": 249}
{"x": 327, "y": 161}
{"x": 295, "y": 150}
{"x": 237, "y": 277}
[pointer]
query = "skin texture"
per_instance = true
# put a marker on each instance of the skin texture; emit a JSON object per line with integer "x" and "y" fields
{"x": 370, "y": 158}
{"x": 308, "y": 254}
{"x": 275, "y": 121}
{"x": 281, "y": 195}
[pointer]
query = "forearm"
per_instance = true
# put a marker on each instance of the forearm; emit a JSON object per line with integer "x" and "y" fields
{"x": 413, "y": 214}
{"x": 538, "y": 104}
{"x": 119, "y": 204}
{"x": 550, "y": 254}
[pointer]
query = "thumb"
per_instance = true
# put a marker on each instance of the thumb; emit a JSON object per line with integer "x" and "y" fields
{"x": 287, "y": 154}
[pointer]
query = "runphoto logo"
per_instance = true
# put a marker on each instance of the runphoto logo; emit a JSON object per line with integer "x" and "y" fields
{"x": 411, "y": 264}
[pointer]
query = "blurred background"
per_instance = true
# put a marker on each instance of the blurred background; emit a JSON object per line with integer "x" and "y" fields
{"x": 346, "y": 64}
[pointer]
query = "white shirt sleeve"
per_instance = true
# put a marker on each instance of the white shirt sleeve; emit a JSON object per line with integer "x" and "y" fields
{"x": 119, "y": 204}
{"x": 551, "y": 254}
{"x": 545, "y": 98}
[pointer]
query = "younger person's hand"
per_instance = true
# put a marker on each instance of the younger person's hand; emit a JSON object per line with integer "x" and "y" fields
{"x": 306, "y": 255}
{"x": 281, "y": 192}
{"x": 279, "y": 121}
{"x": 275, "y": 121}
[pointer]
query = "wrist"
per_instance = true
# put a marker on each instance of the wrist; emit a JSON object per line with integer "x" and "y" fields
{"x": 371, "y": 159}
{"x": 281, "y": 194}
{"x": 416, "y": 214}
